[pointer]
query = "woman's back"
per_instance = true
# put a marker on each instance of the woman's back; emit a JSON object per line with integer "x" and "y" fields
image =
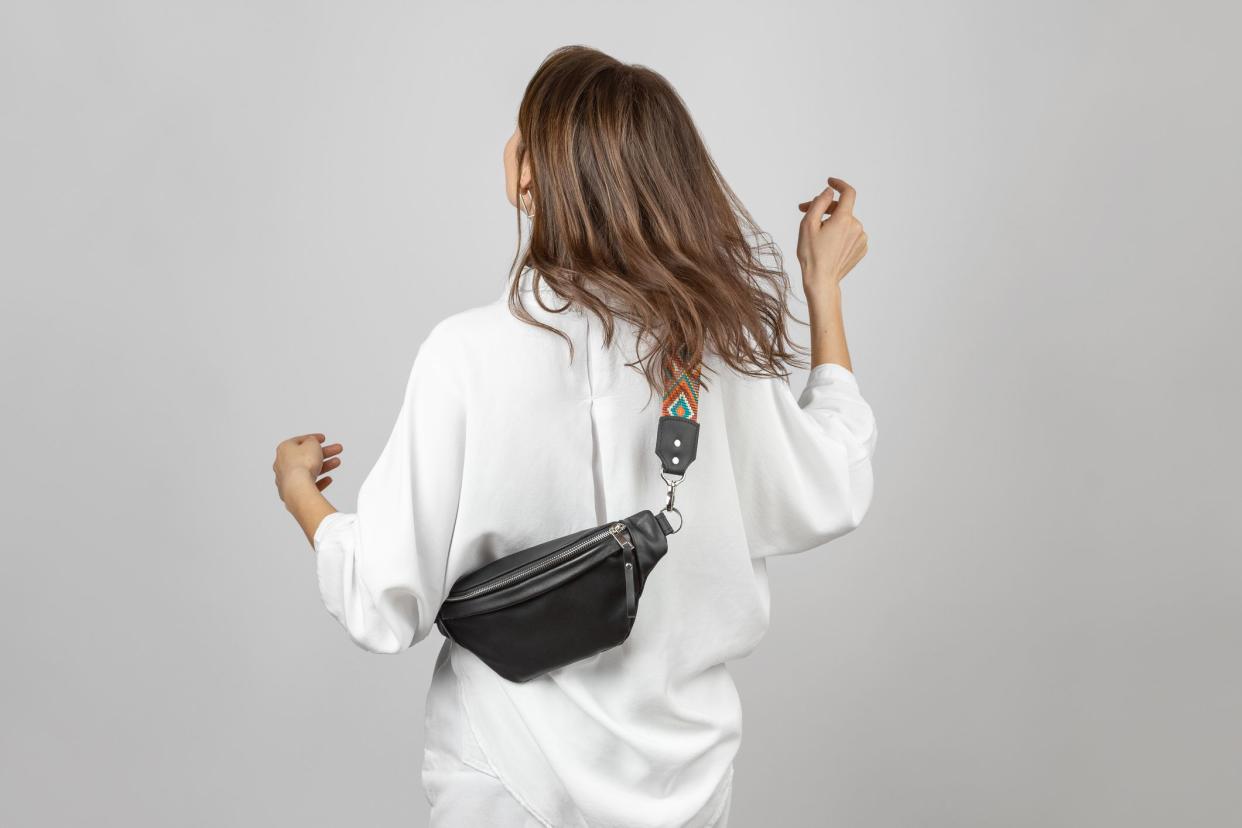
{"x": 503, "y": 442}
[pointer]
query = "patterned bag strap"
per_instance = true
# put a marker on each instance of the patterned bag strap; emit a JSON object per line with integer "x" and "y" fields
{"x": 677, "y": 437}
{"x": 681, "y": 389}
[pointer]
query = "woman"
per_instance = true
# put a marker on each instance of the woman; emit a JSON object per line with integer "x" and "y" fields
{"x": 529, "y": 418}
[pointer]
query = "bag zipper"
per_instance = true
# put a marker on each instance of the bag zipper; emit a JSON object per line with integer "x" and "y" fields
{"x": 544, "y": 563}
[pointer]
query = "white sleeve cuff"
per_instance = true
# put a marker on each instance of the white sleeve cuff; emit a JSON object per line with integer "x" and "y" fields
{"x": 328, "y": 526}
{"x": 335, "y": 543}
{"x": 831, "y": 373}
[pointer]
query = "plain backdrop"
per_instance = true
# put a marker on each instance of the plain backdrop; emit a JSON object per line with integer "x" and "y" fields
{"x": 226, "y": 223}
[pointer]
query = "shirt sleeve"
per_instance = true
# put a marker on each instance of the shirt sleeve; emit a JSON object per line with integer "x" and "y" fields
{"x": 802, "y": 466}
{"x": 382, "y": 569}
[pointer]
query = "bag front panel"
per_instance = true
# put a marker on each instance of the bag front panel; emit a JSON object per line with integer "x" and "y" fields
{"x": 558, "y": 627}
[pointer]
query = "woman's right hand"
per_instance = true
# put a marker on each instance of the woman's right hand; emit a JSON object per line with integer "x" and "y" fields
{"x": 829, "y": 248}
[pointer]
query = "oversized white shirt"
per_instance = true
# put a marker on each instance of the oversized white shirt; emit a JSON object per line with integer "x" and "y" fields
{"x": 502, "y": 442}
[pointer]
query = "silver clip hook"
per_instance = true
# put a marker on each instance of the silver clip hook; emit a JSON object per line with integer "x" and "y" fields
{"x": 672, "y": 499}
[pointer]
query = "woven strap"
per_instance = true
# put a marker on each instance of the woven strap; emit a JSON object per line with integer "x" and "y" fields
{"x": 681, "y": 389}
{"x": 677, "y": 438}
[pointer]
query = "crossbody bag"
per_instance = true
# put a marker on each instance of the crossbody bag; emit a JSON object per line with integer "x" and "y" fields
{"x": 572, "y": 597}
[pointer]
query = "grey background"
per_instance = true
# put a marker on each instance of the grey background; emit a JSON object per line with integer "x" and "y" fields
{"x": 226, "y": 223}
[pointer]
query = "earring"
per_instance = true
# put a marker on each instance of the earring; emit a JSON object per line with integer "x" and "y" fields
{"x": 529, "y": 211}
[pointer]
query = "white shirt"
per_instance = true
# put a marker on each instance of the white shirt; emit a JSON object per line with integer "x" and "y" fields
{"x": 501, "y": 442}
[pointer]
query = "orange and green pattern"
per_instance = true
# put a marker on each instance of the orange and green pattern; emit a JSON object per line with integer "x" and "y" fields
{"x": 681, "y": 389}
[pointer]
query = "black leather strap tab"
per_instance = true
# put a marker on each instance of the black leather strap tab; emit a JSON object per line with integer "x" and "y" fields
{"x": 662, "y": 522}
{"x": 677, "y": 441}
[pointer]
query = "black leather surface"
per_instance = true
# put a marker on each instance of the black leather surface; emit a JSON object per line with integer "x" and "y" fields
{"x": 559, "y": 627}
{"x": 568, "y": 612}
{"x": 650, "y": 544}
{"x": 665, "y": 526}
{"x": 504, "y": 565}
{"x": 675, "y": 459}
{"x": 532, "y": 587}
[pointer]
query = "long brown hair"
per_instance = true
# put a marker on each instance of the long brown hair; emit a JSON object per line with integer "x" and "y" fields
{"x": 633, "y": 219}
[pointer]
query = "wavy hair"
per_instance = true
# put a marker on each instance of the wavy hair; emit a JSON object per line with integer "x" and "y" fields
{"x": 633, "y": 219}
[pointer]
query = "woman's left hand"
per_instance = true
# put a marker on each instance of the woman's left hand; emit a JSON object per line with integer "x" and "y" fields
{"x": 304, "y": 459}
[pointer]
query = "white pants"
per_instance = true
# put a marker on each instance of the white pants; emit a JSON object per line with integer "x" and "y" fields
{"x": 463, "y": 796}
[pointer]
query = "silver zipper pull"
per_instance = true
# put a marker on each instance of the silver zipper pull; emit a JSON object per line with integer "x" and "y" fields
{"x": 621, "y": 535}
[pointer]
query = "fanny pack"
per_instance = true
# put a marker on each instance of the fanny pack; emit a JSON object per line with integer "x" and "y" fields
{"x": 572, "y": 597}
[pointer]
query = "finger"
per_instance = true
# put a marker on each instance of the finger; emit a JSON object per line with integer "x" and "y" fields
{"x": 818, "y": 207}
{"x": 848, "y": 195}
{"x": 333, "y": 450}
{"x": 323, "y": 483}
{"x": 329, "y": 465}
{"x": 804, "y": 206}
{"x": 319, "y": 438}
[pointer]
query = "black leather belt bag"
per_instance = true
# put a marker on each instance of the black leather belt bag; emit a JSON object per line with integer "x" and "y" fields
{"x": 567, "y": 599}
